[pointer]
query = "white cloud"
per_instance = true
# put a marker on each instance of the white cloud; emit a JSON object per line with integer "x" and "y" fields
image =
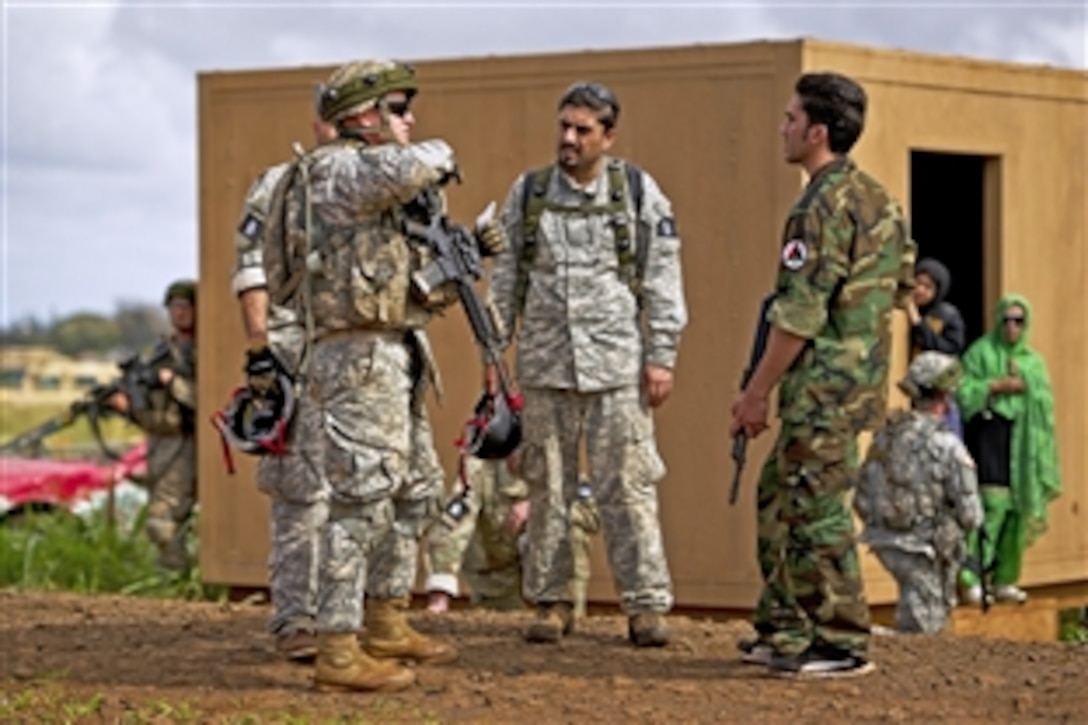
{"x": 101, "y": 103}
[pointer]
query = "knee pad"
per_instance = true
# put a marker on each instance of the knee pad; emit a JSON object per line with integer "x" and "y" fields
{"x": 161, "y": 531}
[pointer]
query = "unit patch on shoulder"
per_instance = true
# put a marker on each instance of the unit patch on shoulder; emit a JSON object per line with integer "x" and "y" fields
{"x": 251, "y": 227}
{"x": 794, "y": 254}
{"x": 666, "y": 227}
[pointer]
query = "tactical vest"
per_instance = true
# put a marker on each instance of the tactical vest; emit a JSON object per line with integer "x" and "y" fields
{"x": 155, "y": 410}
{"x": 624, "y": 192}
{"x": 350, "y": 277}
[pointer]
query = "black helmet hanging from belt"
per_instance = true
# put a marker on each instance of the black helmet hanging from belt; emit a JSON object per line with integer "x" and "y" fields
{"x": 494, "y": 431}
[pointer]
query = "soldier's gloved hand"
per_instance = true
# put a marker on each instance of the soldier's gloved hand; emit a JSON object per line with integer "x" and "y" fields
{"x": 149, "y": 377}
{"x": 438, "y": 155}
{"x": 262, "y": 368}
{"x": 490, "y": 235}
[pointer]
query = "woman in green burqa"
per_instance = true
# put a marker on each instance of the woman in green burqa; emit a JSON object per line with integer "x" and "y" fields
{"x": 1008, "y": 406}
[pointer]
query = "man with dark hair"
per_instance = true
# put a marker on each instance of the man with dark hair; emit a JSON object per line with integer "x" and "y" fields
{"x": 593, "y": 256}
{"x": 847, "y": 261}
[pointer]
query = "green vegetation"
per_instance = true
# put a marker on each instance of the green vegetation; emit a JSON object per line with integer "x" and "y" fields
{"x": 18, "y": 419}
{"x": 133, "y": 326}
{"x": 59, "y": 551}
{"x": 1074, "y": 626}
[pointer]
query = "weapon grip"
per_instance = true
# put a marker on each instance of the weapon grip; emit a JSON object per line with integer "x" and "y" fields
{"x": 740, "y": 445}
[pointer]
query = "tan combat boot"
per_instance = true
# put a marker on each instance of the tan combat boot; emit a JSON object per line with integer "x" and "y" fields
{"x": 341, "y": 666}
{"x": 389, "y": 635}
{"x": 552, "y": 622}
{"x": 647, "y": 629}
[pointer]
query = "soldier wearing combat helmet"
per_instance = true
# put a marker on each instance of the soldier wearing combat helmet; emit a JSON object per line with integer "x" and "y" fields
{"x": 166, "y": 417}
{"x": 918, "y": 497}
{"x": 335, "y": 251}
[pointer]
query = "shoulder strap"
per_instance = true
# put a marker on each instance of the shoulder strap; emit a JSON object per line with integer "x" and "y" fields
{"x": 275, "y": 237}
{"x": 624, "y": 181}
{"x": 533, "y": 192}
{"x": 642, "y": 233}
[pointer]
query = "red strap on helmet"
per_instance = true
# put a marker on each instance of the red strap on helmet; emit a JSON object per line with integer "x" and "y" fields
{"x": 220, "y": 423}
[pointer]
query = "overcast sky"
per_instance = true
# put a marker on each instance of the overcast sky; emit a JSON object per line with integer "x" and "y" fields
{"x": 99, "y": 99}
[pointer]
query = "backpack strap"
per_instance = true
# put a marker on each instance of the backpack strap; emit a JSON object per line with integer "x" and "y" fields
{"x": 624, "y": 182}
{"x": 632, "y": 258}
{"x": 533, "y": 203}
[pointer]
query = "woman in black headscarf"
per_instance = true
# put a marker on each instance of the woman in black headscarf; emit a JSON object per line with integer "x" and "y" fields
{"x": 935, "y": 323}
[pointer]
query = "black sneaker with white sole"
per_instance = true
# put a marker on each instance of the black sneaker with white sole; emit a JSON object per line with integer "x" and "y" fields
{"x": 755, "y": 652}
{"x": 817, "y": 663}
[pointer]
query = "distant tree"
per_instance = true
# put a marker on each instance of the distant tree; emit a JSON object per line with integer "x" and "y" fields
{"x": 139, "y": 325}
{"x": 24, "y": 331}
{"x": 84, "y": 332}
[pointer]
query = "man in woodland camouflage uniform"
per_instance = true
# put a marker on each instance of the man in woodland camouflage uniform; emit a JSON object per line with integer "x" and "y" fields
{"x": 594, "y": 254}
{"x": 847, "y": 261}
{"x": 335, "y": 251}
{"x": 299, "y": 498}
{"x": 918, "y": 497}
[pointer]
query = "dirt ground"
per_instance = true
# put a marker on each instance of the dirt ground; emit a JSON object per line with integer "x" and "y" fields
{"x": 68, "y": 658}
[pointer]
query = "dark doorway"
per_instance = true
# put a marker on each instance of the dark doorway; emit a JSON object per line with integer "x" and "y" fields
{"x": 950, "y": 222}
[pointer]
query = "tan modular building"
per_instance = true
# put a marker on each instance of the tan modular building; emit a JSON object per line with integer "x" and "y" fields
{"x": 990, "y": 160}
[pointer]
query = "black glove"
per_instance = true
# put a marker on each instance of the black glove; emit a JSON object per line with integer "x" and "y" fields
{"x": 149, "y": 377}
{"x": 262, "y": 369}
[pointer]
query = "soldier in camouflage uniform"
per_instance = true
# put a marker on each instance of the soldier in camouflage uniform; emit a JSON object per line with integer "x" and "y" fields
{"x": 166, "y": 416}
{"x": 171, "y": 439}
{"x": 485, "y": 546}
{"x": 847, "y": 261}
{"x": 336, "y": 253}
{"x": 585, "y": 521}
{"x": 299, "y": 498}
{"x": 593, "y": 253}
{"x": 918, "y": 497}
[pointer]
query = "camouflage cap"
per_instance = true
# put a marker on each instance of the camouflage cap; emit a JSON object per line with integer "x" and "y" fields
{"x": 929, "y": 373}
{"x": 357, "y": 86}
{"x": 182, "y": 289}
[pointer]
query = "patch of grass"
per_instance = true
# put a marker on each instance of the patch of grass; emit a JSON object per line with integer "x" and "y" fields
{"x": 46, "y": 702}
{"x": 58, "y": 551}
{"x": 163, "y": 711}
{"x": 18, "y": 419}
{"x": 1074, "y": 626}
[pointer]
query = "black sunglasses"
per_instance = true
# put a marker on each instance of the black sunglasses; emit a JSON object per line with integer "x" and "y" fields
{"x": 399, "y": 108}
{"x": 1015, "y": 319}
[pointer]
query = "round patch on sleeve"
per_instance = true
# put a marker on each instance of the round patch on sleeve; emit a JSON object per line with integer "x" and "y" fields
{"x": 794, "y": 254}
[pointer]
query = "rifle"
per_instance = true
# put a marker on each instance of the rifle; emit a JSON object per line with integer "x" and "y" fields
{"x": 740, "y": 440}
{"x": 458, "y": 259}
{"x": 136, "y": 376}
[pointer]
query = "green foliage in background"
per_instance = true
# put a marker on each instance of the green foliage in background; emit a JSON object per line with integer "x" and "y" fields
{"x": 1074, "y": 626}
{"x": 58, "y": 551}
{"x": 18, "y": 419}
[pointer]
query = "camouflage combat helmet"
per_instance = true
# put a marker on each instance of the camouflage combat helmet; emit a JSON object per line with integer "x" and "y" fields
{"x": 357, "y": 86}
{"x": 182, "y": 289}
{"x": 931, "y": 373}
